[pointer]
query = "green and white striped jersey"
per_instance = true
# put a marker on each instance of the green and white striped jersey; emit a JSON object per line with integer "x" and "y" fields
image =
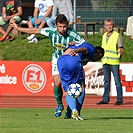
{"x": 59, "y": 42}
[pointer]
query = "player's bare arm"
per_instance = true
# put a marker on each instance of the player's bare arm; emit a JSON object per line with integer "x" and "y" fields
{"x": 73, "y": 52}
{"x": 81, "y": 50}
{"x": 68, "y": 51}
{"x": 26, "y": 30}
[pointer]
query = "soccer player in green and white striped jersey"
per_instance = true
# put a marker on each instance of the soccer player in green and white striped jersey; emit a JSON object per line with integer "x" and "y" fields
{"x": 60, "y": 37}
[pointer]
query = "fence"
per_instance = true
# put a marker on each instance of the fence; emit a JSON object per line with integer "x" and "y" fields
{"x": 98, "y": 10}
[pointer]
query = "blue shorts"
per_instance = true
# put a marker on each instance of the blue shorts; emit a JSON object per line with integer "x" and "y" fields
{"x": 70, "y": 70}
{"x": 33, "y": 20}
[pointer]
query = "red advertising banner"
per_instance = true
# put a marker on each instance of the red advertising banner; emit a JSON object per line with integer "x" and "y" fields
{"x": 25, "y": 78}
{"x": 35, "y": 78}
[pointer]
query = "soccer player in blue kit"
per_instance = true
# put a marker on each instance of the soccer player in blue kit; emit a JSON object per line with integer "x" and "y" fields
{"x": 70, "y": 66}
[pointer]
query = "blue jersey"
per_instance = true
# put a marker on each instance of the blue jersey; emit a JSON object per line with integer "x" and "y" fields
{"x": 71, "y": 67}
{"x": 70, "y": 70}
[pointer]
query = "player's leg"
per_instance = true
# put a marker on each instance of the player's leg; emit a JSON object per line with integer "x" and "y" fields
{"x": 81, "y": 81}
{"x": 80, "y": 101}
{"x": 62, "y": 68}
{"x": 72, "y": 102}
{"x": 68, "y": 113}
{"x": 58, "y": 93}
{"x": 57, "y": 89}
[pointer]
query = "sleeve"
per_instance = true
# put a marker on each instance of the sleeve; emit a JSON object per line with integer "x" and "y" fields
{"x": 18, "y": 3}
{"x": 69, "y": 5}
{"x": 45, "y": 31}
{"x": 36, "y": 3}
{"x": 78, "y": 39}
{"x": 72, "y": 46}
{"x": 120, "y": 42}
{"x": 50, "y": 2}
{"x": 90, "y": 48}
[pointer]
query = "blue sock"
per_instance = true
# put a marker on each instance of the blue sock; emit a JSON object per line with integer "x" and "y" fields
{"x": 80, "y": 101}
{"x": 71, "y": 102}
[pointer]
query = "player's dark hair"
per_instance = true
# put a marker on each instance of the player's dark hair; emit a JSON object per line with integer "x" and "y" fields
{"x": 100, "y": 50}
{"x": 61, "y": 18}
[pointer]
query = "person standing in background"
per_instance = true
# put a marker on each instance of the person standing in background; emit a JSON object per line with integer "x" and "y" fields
{"x": 113, "y": 47}
{"x": 11, "y": 12}
{"x": 129, "y": 29}
{"x": 42, "y": 11}
{"x": 61, "y": 7}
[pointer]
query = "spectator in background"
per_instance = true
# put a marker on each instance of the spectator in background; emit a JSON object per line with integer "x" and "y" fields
{"x": 11, "y": 12}
{"x": 61, "y": 7}
{"x": 42, "y": 12}
{"x": 129, "y": 30}
{"x": 113, "y": 46}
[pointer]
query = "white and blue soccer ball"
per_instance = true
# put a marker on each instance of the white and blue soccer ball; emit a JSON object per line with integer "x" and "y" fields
{"x": 74, "y": 90}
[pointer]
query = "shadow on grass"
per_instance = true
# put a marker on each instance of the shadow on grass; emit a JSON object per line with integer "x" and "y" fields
{"x": 108, "y": 118}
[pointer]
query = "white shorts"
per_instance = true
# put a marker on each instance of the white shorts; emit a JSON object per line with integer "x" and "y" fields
{"x": 54, "y": 66}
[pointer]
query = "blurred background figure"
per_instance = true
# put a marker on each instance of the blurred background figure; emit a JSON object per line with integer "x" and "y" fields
{"x": 42, "y": 11}
{"x": 61, "y": 7}
{"x": 129, "y": 30}
{"x": 11, "y": 12}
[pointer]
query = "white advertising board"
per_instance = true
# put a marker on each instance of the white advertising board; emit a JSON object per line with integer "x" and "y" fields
{"x": 95, "y": 79}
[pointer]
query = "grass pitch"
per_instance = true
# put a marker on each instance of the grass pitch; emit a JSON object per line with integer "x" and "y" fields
{"x": 42, "y": 120}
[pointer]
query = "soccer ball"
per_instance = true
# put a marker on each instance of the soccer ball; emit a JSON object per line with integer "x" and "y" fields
{"x": 74, "y": 90}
